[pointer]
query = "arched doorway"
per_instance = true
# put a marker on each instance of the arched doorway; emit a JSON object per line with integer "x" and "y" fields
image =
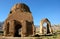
{"x": 7, "y": 30}
{"x": 45, "y": 27}
{"x": 48, "y": 26}
{"x": 18, "y": 27}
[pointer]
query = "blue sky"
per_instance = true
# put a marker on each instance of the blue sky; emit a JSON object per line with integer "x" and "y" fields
{"x": 40, "y": 9}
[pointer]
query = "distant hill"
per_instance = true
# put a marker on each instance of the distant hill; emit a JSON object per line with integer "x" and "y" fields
{"x": 1, "y": 23}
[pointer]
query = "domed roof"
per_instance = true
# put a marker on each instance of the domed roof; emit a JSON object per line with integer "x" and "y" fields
{"x": 21, "y": 6}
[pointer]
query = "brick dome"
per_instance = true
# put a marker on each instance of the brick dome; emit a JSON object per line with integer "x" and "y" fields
{"x": 21, "y": 7}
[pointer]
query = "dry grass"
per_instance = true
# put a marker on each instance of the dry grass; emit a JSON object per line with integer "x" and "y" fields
{"x": 55, "y": 36}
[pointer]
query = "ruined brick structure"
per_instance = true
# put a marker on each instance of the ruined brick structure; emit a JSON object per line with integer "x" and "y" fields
{"x": 49, "y": 29}
{"x": 19, "y": 19}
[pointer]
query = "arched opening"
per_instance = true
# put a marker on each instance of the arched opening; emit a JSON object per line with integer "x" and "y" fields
{"x": 45, "y": 27}
{"x": 45, "y": 24}
{"x": 18, "y": 27}
{"x": 8, "y": 28}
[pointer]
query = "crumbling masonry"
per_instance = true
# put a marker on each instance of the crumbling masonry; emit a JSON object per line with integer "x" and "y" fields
{"x": 19, "y": 22}
{"x": 49, "y": 29}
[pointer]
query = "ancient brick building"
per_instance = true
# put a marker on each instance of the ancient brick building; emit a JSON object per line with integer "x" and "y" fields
{"x": 19, "y": 19}
{"x": 49, "y": 28}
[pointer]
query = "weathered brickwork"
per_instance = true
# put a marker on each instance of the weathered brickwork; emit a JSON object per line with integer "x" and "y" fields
{"x": 19, "y": 22}
{"x": 49, "y": 29}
